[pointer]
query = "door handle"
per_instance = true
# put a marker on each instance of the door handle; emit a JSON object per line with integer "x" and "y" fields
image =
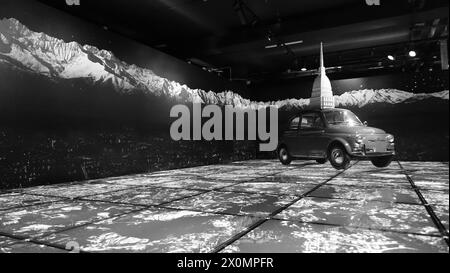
{"x": 312, "y": 132}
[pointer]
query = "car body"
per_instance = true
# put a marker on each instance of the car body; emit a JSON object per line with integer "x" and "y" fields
{"x": 336, "y": 135}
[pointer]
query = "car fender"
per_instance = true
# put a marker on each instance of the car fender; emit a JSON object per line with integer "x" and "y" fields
{"x": 341, "y": 141}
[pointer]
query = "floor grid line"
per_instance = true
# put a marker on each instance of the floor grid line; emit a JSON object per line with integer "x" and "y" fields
{"x": 233, "y": 239}
{"x": 427, "y": 206}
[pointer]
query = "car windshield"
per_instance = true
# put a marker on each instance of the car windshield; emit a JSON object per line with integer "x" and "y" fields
{"x": 342, "y": 117}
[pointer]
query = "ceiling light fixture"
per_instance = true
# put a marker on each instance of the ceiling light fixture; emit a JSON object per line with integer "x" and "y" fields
{"x": 304, "y": 69}
{"x": 271, "y": 46}
{"x": 390, "y": 57}
{"x": 294, "y": 42}
{"x": 412, "y": 53}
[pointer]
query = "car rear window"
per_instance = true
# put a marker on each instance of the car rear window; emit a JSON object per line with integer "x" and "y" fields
{"x": 294, "y": 123}
{"x": 311, "y": 120}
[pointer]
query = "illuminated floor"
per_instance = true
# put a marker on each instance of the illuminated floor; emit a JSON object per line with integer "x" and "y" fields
{"x": 251, "y": 206}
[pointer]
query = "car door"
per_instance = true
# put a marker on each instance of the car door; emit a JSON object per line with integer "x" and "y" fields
{"x": 291, "y": 134}
{"x": 311, "y": 135}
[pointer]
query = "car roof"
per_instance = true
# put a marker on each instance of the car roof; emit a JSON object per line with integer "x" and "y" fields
{"x": 323, "y": 110}
{"x": 333, "y": 109}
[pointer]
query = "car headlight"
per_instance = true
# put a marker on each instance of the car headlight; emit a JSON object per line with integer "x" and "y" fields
{"x": 390, "y": 138}
{"x": 359, "y": 139}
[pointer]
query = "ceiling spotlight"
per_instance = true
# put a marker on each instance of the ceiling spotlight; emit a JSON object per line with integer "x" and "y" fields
{"x": 271, "y": 46}
{"x": 412, "y": 53}
{"x": 303, "y": 69}
{"x": 390, "y": 57}
{"x": 293, "y": 43}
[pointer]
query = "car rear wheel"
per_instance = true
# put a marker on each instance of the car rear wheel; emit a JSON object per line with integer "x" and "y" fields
{"x": 284, "y": 156}
{"x": 338, "y": 157}
{"x": 321, "y": 161}
{"x": 382, "y": 161}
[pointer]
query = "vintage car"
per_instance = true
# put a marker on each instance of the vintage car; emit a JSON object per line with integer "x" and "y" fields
{"x": 336, "y": 135}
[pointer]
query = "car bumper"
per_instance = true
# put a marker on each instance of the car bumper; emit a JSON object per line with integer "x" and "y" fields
{"x": 362, "y": 151}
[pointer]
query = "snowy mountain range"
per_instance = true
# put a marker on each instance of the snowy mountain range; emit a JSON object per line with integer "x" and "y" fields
{"x": 56, "y": 59}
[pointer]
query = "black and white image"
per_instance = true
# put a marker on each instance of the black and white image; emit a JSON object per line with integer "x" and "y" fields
{"x": 115, "y": 137}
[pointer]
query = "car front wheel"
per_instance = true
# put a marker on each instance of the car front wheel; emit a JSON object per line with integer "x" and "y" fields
{"x": 338, "y": 157}
{"x": 284, "y": 156}
{"x": 382, "y": 161}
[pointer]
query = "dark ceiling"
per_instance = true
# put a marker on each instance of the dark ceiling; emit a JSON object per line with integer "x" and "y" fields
{"x": 230, "y": 37}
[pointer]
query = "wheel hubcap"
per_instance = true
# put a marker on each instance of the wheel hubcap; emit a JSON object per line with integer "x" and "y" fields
{"x": 337, "y": 156}
{"x": 283, "y": 154}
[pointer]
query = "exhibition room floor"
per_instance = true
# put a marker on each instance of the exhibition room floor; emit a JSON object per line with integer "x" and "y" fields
{"x": 250, "y": 206}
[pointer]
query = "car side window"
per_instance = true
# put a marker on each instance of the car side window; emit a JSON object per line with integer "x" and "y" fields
{"x": 311, "y": 121}
{"x": 318, "y": 122}
{"x": 294, "y": 123}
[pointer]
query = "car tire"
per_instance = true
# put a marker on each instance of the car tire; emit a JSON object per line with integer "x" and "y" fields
{"x": 339, "y": 157}
{"x": 382, "y": 161}
{"x": 284, "y": 156}
{"x": 321, "y": 161}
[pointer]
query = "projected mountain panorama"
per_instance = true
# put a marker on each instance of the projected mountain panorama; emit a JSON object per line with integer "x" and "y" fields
{"x": 62, "y": 97}
{"x": 56, "y": 60}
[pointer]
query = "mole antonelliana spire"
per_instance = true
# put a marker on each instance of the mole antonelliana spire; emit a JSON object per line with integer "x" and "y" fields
{"x": 322, "y": 94}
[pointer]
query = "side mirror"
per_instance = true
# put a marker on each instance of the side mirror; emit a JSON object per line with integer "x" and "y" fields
{"x": 365, "y": 123}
